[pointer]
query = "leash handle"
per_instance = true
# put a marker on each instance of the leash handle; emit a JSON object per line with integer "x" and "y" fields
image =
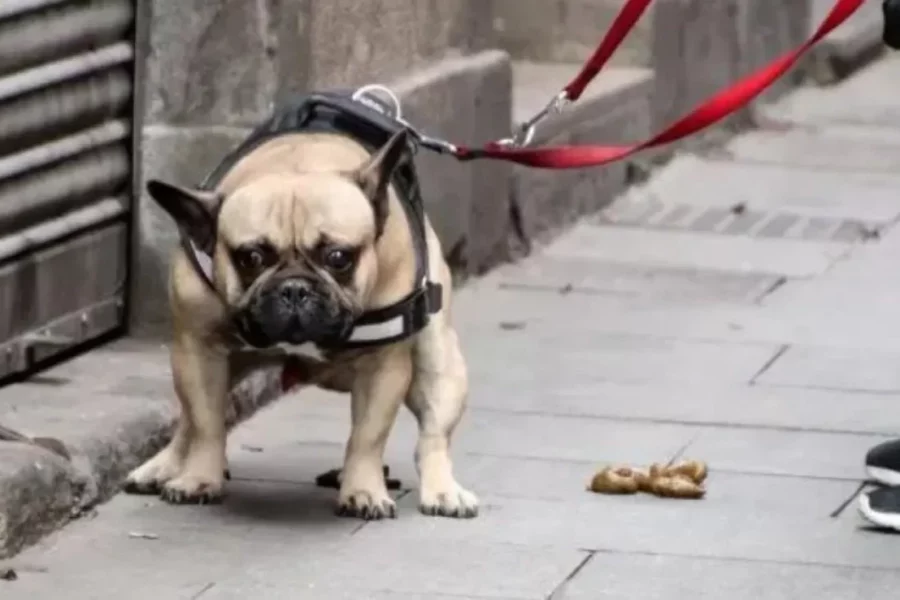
{"x": 713, "y": 110}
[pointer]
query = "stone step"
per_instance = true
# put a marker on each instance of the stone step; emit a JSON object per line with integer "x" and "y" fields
{"x": 614, "y": 109}
{"x": 854, "y": 43}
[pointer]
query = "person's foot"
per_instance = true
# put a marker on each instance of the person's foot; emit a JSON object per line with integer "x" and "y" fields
{"x": 883, "y": 463}
{"x": 881, "y": 507}
{"x": 891, "y": 32}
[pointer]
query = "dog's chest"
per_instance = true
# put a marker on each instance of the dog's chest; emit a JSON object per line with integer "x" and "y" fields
{"x": 307, "y": 351}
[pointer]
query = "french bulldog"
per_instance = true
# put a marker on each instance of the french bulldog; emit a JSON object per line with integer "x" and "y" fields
{"x": 305, "y": 234}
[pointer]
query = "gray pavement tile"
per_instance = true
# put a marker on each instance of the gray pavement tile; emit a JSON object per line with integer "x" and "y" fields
{"x": 674, "y": 249}
{"x": 545, "y": 318}
{"x": 567, "y": 438}
{"x": 802, "y": 453}
{"x": 527, "y": 358}
{"x": 615, "y": 576}
{"x": 693, "y": 180}
{"x": 427, "y": 568}
{"x": 274, "y": 591}
{"x": 835, "y": 368}
{"x": 262, "y": 510}
{"x": 836, "y": 148}
{"x": 632, "y": 282}
{"x": 480, "y": 432}
{"x": 756, "y": 406}
{"x": 110, "y": 555}
{"x": 653, "y": 525}
{"x": 694, "y": 403}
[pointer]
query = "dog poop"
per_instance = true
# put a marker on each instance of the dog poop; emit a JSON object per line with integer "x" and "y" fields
{"x": 682, "y": 480}
{"x": 614, "y": 480}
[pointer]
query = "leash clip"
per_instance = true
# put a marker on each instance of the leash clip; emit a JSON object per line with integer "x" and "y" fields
{"x": 525, "y": 132}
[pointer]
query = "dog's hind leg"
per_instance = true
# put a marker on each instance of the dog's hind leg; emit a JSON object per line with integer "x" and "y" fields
{"x": 438, "y": 399}
{"x": 381, "y": 384}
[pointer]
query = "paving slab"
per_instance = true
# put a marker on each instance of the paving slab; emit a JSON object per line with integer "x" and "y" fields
{"x": 540, "y": 318}
{"x": 277, "y": 436}
{"x": 798, "y": 453}
{"x": 653, "y": 525}
{"x": 839, "y": 149}
{"x": 835, "y": 368}
{"x": 631, "y": 282}
{"x": 702, "y": 403}
{"x": 163, "y": 551}
{"x": 863, "y": 196}
{"x": 791, "y": 258}
{"x": 609, "y": 576}
{"x": 471, "y": 570}
{"x": 612, "y": 357}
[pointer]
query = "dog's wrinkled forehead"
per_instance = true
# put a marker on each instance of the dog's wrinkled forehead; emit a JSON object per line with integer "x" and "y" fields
{"x": 297, "y": 211}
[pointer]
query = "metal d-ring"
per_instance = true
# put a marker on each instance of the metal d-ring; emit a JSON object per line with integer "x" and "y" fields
{"x": 361, "y": 92}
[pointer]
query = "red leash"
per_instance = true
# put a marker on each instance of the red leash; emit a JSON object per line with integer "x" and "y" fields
{"x": 716, "y": 108}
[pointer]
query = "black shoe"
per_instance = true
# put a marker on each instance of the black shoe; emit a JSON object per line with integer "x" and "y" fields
{"x": 883, "y": 463}
{"x": 882, "y": 507}
{"x": 891, "y": 32}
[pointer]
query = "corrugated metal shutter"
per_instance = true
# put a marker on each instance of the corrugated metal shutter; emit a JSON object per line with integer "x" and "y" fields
{"x": 66, "y": 78}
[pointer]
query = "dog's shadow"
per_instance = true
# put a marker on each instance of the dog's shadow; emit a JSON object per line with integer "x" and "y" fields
{"x": 278, "y": 502}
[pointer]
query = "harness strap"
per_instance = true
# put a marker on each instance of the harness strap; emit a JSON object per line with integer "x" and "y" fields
{"x": 713, "y": 110}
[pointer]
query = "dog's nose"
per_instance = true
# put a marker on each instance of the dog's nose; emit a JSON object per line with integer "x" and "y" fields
{"x": 294, "y": 291}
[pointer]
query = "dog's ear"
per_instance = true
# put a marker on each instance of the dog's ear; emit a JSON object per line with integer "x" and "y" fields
{"x": 194, "y": 211}
{"x": 374, "y": 177}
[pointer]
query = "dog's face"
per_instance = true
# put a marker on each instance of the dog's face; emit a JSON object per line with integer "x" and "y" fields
{"x": 294, "y": 253}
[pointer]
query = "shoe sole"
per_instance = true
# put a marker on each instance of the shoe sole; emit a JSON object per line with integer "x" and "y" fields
{"x": 878, "y": 518}
{"x": 884, "y": 476}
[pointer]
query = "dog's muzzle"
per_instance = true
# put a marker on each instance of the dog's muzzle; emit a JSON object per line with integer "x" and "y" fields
{"x": 293, "y": 311}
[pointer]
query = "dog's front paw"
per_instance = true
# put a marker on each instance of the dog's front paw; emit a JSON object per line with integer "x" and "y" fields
{"x": 371, "y": 505}
{"x": 193, "y": 489}
{"x": 451, "y": 500}
{"x": 150, "y": 477}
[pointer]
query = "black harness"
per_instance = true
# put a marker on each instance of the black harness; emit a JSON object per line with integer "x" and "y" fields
{"x": 370, "y": 122}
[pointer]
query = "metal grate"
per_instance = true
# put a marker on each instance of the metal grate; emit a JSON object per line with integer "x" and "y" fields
{"x": 66, "y": 79}
{"x": 736, "y": 221}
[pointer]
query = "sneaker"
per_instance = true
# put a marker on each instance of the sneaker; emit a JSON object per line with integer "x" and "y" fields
{"x": 891, "y": 31}
{"x": 882, "y": 507}
{"x": 883, "y": 463}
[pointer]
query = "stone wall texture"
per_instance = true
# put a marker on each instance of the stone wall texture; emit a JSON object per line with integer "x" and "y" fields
{"x": 465, "y": 69}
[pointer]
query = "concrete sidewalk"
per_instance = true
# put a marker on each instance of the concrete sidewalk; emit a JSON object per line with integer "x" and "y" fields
{"x": 742, "y": 308}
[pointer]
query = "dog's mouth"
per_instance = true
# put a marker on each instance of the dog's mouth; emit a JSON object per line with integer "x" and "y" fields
{"x": 269, "y": 321}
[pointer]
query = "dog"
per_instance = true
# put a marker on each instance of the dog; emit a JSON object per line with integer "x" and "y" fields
{"x": 306, "y": 233}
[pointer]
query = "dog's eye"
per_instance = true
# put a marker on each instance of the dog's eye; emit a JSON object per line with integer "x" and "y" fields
{"x": 250, "y": 259}
{"x": 339, "y": 259}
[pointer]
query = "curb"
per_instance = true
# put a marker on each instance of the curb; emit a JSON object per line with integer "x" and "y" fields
{"x": 111, "y": 408}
